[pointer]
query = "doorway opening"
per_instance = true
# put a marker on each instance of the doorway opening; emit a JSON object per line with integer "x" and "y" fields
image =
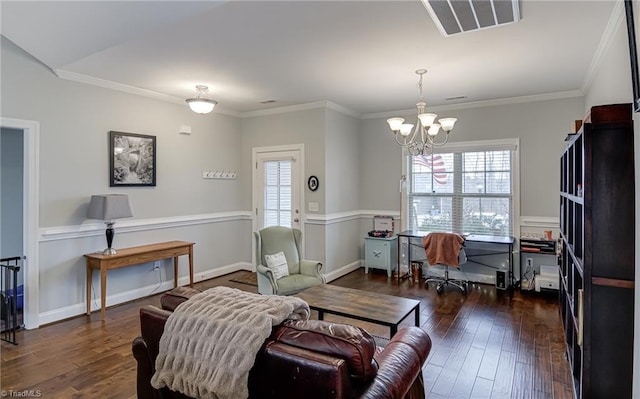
{"x": 25, "y": 240}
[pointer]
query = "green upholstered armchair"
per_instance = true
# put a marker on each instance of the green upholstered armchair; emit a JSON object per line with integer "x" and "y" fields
{"x": 302, "y": 273}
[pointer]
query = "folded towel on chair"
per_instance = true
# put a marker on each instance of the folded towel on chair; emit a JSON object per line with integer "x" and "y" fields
{"x": 443, "y": 248}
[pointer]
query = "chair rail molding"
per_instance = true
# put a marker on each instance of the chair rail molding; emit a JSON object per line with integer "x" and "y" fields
{"x": 539, "y": 221}
{"x": 128, "y": 226}
{"x": 340, "y": 217}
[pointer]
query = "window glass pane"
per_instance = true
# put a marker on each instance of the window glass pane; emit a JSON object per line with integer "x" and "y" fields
{"x": 473, "y": 162}
{"x": 431, "y": 213}
{"x": 271, "y": 173}
{"x": 285, "y": 198}
{"x": 271, "y": 198}
{"x": 277, "y": 193}
{"x": 432, "y": 173}
{"x": 465, "y": 192}
{"x": 285, "y": 173}
{"x": 498, "y": 161}
{"x": 270, "y": 218}
{"x": 499, "y": 182}
{"x": 486, "y": 216}
{"x": 422, "y": 183}
{"x": 473, "y": 182}
{"x": 285, "y": 219}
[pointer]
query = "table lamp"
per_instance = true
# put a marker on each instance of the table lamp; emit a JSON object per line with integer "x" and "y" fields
{"x": 109, "y": 207}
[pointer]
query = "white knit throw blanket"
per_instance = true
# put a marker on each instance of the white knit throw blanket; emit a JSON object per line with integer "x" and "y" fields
{"x": 210, "y": 341}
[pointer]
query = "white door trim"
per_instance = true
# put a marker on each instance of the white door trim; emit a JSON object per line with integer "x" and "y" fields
{"x": 30, "y": 217}
{"x": 255, "y": 188}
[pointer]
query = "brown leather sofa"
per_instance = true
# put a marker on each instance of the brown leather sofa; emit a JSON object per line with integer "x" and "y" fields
{"x": 305, "y": 359}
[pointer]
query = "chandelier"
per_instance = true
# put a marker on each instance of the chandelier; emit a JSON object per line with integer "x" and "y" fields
{"x": 426, "y": 130}
{"x": 201, "y": 103}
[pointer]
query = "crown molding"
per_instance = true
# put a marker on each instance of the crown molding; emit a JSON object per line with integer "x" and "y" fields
{"x": 615, "y": 21}
{"x": 302, "y": 107}
{"x": 80, "y": 78}
{"x": 108, "y": 84}
{"x": 480, "y": 104}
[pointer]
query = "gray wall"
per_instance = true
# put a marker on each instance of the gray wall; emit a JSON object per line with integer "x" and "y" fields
{"x": 305, "y": 127}
{"x": 331, "y": 141}
{"x": 343, "y": 239}
{"x": 342, "y": 162}
{"x": 74, "y": 123}
{"x": 541, "y": 127}
{"x": 11, "y": 193}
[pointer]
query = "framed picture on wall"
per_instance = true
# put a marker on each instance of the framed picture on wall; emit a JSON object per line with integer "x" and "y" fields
{"x": 132, "y": 159}
{"x": 632, "y": 33}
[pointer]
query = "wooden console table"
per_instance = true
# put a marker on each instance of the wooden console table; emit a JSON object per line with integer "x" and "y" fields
{"x": 135, "y": 256}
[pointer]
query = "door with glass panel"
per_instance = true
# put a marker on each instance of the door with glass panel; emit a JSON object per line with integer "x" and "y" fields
{"x": 277, "y": 174}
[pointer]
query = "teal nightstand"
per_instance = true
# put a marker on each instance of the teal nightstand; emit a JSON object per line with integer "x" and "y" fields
{"x": 380, "y": 253}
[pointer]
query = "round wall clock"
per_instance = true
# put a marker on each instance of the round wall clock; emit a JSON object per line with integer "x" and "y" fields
{"x": 313, "y": 183}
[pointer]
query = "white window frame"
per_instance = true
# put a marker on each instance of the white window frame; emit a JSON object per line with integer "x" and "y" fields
{"x": 482, "y": 145}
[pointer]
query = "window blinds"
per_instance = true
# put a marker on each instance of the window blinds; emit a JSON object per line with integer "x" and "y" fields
{"x": 464, "y": 191}
{"x": 277, "y": 197}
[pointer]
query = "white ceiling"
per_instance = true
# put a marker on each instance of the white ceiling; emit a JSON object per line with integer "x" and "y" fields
{"x": 359, "y": 54}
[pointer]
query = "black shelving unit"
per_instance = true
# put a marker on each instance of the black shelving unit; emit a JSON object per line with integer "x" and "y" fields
{"x": 597, "y": 214}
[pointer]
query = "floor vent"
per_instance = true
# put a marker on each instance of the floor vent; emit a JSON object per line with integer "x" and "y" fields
{"x": 458, "y": 16}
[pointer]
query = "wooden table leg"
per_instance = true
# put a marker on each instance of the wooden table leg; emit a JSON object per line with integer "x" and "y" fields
{"x": 393, "y": 330}
{"x": 103, "y": 291}
{"x": 89, "y": 270}
{"x": 175, "y": 271}
{"x": 191, "y": 266}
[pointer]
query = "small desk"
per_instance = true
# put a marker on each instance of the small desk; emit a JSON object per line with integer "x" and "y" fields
{"x": 475, "y": 238}
{"x": 135, "y": 256}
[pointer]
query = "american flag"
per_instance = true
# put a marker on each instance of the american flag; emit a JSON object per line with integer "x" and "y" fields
{"x": 436, "y": 164}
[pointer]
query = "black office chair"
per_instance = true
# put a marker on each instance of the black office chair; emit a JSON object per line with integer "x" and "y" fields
{"x": 447, "y": 250}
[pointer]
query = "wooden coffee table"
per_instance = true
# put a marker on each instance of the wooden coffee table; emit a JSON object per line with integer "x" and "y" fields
{"x": 381, "y": 309}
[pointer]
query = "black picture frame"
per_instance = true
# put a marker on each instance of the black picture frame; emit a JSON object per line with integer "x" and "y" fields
{"x": 633, "y": 53}
{"x": 132, "y": 160}
{"x": 313, "y": 183}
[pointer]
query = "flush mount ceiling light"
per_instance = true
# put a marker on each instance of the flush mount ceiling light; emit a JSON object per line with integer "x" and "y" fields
{"x": 426, "y": 130}
{"x": 201, "y": 103}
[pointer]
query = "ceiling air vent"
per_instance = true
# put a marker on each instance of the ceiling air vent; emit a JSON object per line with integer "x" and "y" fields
{"x": 457, "y": 16}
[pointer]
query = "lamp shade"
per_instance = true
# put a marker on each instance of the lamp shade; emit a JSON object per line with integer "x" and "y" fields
{"x": 201, "y": 105}
{"x": 405, "y": 129}
{"x": 109, "y": 207}
{"x": 427, "y": 119}
{"x": 395, "y": 123}
{"x": 447, "y": 123}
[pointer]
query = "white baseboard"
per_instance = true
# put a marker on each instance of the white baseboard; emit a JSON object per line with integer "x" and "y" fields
{"x": 122, "y": 297}
{"x": 344, "y": 270}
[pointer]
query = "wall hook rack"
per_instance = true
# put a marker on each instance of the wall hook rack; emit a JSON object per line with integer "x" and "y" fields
{"x": 219, "y": 174}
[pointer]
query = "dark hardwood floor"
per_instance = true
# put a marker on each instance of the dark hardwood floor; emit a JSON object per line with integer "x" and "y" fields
{"x": 485, "y": 344}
